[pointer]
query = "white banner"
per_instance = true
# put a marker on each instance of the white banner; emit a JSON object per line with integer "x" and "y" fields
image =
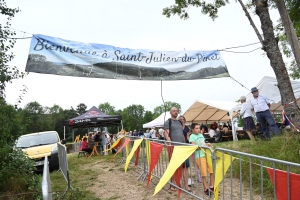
{"x": 52, "y": 55}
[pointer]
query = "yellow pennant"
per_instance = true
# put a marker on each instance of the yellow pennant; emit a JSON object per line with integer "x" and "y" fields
{"x": 222, "y": 158}
{"x": 114, "y": 144}
{"x": 180, "y": 154}
{"x": 148, "y": 154}
{"x": 208, "y": 158}
{"x": 134, "y": 148}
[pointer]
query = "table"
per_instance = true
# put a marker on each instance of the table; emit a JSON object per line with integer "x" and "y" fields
{"x": 94, "y": 150}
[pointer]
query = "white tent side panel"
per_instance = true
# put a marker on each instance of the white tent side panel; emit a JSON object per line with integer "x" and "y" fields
{"x": 159, "y": 121}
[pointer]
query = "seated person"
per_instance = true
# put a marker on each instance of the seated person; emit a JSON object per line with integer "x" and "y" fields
{"x": 219, "y": 135}
{"x": 225, "y": 128}
{"x": 206, "y": 135}
{"x": 205, "y": 128}
{"x": 91, "y": 140}
{"x": 258, "y": 128}
{"x": 220, "y": 127}
{"x": 212, "y": 133}
{"x": 85, "y": 147}
{"x": 214, "y": 126}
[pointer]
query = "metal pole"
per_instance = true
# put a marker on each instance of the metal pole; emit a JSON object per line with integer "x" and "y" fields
{"x": 64, "y": 132}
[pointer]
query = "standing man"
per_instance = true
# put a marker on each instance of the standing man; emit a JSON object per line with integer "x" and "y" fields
{"x": 174, "y": 132}
{"x": 104, "y": 142}
{"x": 153, "y": 133}
{"x": 260, "y": 104}
{"x": 161, "y": 133}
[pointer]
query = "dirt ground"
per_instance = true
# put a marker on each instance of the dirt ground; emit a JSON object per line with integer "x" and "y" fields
{"x": 113, "y": 183}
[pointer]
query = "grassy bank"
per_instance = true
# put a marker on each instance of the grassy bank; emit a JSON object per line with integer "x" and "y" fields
{"x": 284, "y": 147}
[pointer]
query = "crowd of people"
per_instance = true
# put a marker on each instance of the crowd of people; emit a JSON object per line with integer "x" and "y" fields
{"x": 154, "y": 133}
{"x": 101, "y": 140}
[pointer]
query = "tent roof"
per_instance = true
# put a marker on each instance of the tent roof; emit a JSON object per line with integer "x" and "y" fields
{"x": 267, "y": 86}
{"x": 209, "y": 111}
{"x": 159, "y": 121}
{"x": 94, "y": 118}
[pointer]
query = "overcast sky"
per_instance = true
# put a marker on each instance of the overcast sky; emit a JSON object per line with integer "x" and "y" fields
{"x": 137, "y": 24}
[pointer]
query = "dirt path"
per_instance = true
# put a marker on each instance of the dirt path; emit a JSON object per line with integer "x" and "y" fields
{"x": 113, "y": 183}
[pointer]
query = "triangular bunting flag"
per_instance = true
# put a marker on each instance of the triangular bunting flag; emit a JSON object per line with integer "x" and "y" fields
{"x": 155, "y": 150}
{"x": 219, "y": 170}
{"x": 115, "y": 144}
{"x": 282, "y": 184}
{"x": 134, "y": 148}
{"x": 179, "y": 155}
{"x": 127, "y": 140}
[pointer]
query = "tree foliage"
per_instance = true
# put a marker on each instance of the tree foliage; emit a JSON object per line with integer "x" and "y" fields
{"x": 166, "y": 108}
{"x": 293, "y": 8}
{"x": 269, "y": 42}
{"x": 81, "y": 108}
{"x": 181, "y": 8}
{"x": 7, "y": 73}
{"x": 107, "y": 108}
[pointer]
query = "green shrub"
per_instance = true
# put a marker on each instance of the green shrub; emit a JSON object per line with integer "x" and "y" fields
{"x": 17, "y": 175}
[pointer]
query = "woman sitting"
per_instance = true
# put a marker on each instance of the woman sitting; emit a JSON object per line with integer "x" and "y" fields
{"x": 85, "y": 146}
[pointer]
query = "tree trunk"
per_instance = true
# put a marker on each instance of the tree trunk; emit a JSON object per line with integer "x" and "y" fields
{"x": 276, "y": 61}
{"x": 290, "y": 31}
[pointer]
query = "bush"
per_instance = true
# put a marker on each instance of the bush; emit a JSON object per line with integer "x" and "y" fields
{"x": 17, "y": 175}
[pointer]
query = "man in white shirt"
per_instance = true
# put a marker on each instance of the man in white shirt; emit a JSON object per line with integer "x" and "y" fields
{"x": 261, "y": 104}
{"x": 153, "y": 133}
{"x": 161, "y": 133}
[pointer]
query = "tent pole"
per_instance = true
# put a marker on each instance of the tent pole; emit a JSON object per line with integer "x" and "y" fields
{"x": 233, "y": 128}
{"x": 64, "y": 132}
{"x": 72, "y": 132}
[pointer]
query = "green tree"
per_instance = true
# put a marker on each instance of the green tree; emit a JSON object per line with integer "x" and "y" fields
{"x": 148, "y": 116}
{"x": 293, "y": 8}
{"x": 7, "y": 73}
{"x": 81, "y": 108}
{"x": 14, "y": 164}
{"x": 107, "y": 108}
{"x": 133, "y": 117}
{"x": 166, "y": 108}
{"x": 10, "y": 127}
{"x": 69, "y": 114}
{"x": 269, "y": 42}
{"x": 56, "y": 115}
{"x": 35, "y": 118}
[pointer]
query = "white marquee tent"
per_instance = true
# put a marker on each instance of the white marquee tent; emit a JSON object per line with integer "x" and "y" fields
{"x": 208, "y": 111}
{"x": 267, "y": 86}
{"x": 159, "y": 121}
